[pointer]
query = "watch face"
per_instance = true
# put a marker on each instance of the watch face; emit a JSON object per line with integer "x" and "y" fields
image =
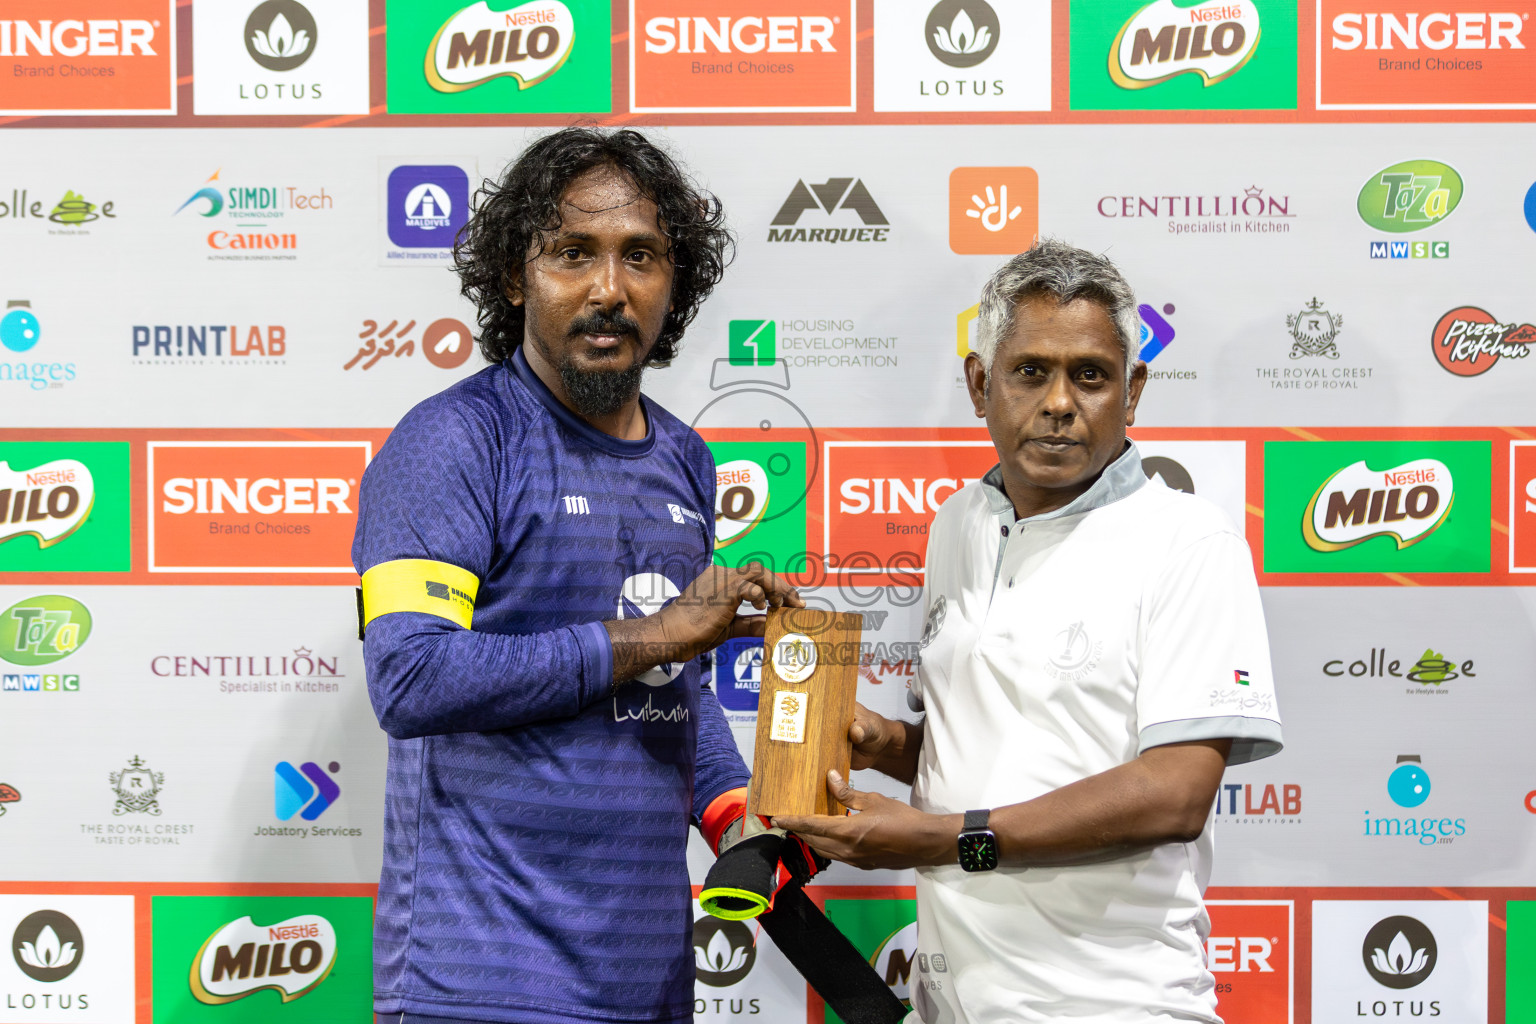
{"x": 978, "y": 851}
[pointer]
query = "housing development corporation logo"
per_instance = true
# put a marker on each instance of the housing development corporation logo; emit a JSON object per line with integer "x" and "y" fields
{"x": 62, "y": 57}
{"x": 831, "y": 197}
{"x": 1468, "y": 341}
{"x": 307, "y": 790}
{"x": 1183, "y": 54}
{"x": 1446, "y": 54}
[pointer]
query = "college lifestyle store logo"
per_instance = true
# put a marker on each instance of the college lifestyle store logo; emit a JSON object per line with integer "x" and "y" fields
{"x": 1468, "y": 341}
{"x": 993, "y": 210}
{"x": 1430, "y": 669}
{"x": 61, "y": 60}
{"x": 72, "y": 211}
{"x": 1409, "y": 787}
{"x": 830, "y": 197}
{"x": 1453, "y": 54}
{"x": 290, "y": 957}
{"x": 446, "y": 343}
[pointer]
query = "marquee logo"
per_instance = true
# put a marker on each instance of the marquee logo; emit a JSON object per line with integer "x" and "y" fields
{"x": 49, "y": 502}
{"x": 528, "y": 43}
{"x": 830, "y": 197}
{"x": 254, "y": 506}
{"x": 242, "y": 958}
{"x": 1407, "y": 503}
{"x": 44, "y": 629}
{"x": 1410, "y": 196}
{"x": 1212, "y": 40}
{"x": 1468, "y": 341}
{"x": 62, "y": 58}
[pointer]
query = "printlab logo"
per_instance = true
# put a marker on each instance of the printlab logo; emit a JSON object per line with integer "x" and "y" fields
{"x": 1313, "y": 331}
{"x": 962, "y": 33}
{"x": 280, "y": 35}
{"x": 1399, "y": 952}
{"x": 830, "y": 197}
{"x": 137, "y": 788}
{"x": 1261, "y": 804}
{"x": 1410, "y": 196}
{"x": 47, "y": 946}
{"x": 723, "y": 951}
{"x": 446, "y": 343}
{"x": 428, "y": 204}
{"x": 9, "y": 794}
{"x": 993, "y": 210}
{"x": 1077, "y": 653}
{"x": 1467, "y": 341}
{"x": 307, "y": 790}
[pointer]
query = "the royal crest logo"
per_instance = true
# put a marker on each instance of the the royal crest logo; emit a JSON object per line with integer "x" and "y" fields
{"x": 1407, "y": 503}
{"x": 1410, "y": 196}
{"x": 1165, "y": 39}
{"x": 290, "y": 958}
{"x": 137, "y": 789}
{"x": 527, "y": 43}
{"x": 1313, "y": 330}
{"x": 1467, "y": 340}
{"x": 49, "y": 502}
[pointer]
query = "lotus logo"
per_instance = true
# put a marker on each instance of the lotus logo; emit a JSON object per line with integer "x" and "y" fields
{"x": 1165, "y": 39}
{"x": 1410, "y": 196}
{"x": 1399, "y": 952}
{"x": 280, "y": 35}
{"x": 723, "y": 951}
{"x": 47, "y": 946}
{"x": 962, "y": 33}
{"x": 291, "y": 958}
{"x": 48, "y": 502}
{"x": 1407, "y": 503}
{"x": 527, "y": 44}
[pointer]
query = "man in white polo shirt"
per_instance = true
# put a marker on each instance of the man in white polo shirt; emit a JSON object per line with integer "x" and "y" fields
{"x": 1094, "y": 656}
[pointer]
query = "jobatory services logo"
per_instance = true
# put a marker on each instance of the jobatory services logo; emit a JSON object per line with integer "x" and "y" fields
{"x": 1249, "y": 210}
{"x": 1522, "y": 506}
{"x": 1377, "y": 506}
{"x": 956, "y": 55}
{"x": 844, "y": 201}
{"x": 1408, "y": 786}
{"x": 63, "y": 58}
{"x": 1447, "y": 55}
{"x": 1400, "y": 959}
{"x": 1250, "y": 953}
{"x": 1413, "y": 195}
{"x": 1468, "y": 341}
{"x": 280, "y": 57}
{"x": 1183, "y": 54}
{"x": 253, "y": 506}
{"x": 1156, "y": 332}
{"x": 546, "y": 56}
{"x": 64, "y": 506}
{"x": 741, "y": 55}
{"x": 993, "y": 210}
{"x": 307, "y": 790}
{"x": 445, "y": 343}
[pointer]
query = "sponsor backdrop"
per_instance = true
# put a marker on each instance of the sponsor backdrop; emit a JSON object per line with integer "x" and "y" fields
{"x": 225, "y": 274}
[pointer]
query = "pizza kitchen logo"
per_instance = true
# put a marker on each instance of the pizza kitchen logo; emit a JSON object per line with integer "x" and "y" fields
{"x": 528, "y": 44}
{"x": 1468, "y": 341}
{"x": 1407, "y": 503}
{"x": 1166, "y": 39}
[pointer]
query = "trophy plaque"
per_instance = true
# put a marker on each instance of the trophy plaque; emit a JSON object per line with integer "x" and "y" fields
{"x": 804, "y": 708}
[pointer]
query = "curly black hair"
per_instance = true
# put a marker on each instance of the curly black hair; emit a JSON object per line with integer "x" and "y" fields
{"x": 512, "y": 219}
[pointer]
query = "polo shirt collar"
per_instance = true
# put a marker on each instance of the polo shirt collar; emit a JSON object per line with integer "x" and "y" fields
{"x": 1120, "y": 479}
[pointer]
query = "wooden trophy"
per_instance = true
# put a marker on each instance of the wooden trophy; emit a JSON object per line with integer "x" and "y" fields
{"x": 804, "y": 708}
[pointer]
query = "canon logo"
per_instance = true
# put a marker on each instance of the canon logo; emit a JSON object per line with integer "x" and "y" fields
{"x": 785, "y": 34}
{"x": 70, "y": 38}
{"x": 265, "y": 495}
{"x": 888, "y": 495}
{"x": 1437, "y": 31}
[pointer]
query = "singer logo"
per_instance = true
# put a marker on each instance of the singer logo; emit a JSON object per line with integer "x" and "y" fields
{"x": 60, "y": 60}
{"x": 290, "y": 958}
{"x": 254, "y": 507}
{"x": 1249, "y": 952}
{"x": 881, "y": 496}
{"x": 1406, "y": 503}
{"x": 1522, "y": 506}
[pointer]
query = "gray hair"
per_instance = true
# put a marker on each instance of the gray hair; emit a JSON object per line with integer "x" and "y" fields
{"x": 1052, "y": 267}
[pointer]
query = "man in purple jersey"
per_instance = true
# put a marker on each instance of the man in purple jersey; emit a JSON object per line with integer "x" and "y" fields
{"x": 535, "y": 544}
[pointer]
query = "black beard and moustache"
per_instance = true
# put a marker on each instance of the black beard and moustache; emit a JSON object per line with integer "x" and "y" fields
{"x": 597, "y": 393}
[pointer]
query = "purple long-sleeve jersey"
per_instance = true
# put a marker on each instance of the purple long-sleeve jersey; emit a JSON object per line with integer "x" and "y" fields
{"x": 535, "y": 817}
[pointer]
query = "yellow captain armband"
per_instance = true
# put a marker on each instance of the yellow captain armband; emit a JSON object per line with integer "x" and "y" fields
{"x": 419, "y": 585}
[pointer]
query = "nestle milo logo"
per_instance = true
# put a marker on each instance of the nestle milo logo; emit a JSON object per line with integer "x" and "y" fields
{"x": 1407, "y": 503}
{"x": 43, "y": 629}
{"x": 1165, "y": 38}
{"x": 1410, "y": 196}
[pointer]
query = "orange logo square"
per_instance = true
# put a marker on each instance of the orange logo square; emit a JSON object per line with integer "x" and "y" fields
{"x": 1249, "y": 954}
{"x": 88, "y": 57}
{"x": 741, "y": 55}
{"x": 993, "y": 210}
{"x": 1522, "y": 506}
{"x": 254, "y": 506}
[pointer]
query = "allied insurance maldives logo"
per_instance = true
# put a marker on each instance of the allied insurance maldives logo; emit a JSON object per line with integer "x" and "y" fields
{"x": 88, "y": 57}
{"x": 1183, "y": 54}
{"x": 1377, "y": 506}
{"x": 446, "y": 56}
{"x": 254, "y": 507}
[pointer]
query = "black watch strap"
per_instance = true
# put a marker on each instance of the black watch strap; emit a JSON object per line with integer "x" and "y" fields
{"x": 975, "y": 819}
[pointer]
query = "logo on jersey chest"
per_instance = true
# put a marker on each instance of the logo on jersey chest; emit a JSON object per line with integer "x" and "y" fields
{"x": 1075, "y": 653}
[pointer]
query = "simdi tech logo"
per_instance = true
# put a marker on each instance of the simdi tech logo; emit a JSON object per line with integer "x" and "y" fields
{"x": 1377, "y": 506}
{"x": 741, "y": 55}
{"x": 64, "y": 506}
{"x": 255, "y": 959}
{"x": 541, "y": 56}
{"x": 253, "y": 506}
{"x": 255, "y": 215}
{"x": 1183, "y": 55}
{"x": 64, "y": 57}
{"x": 1443, "y": 55}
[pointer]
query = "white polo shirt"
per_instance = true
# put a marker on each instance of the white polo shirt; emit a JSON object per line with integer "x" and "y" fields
{"x": 1058, "y": 647}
